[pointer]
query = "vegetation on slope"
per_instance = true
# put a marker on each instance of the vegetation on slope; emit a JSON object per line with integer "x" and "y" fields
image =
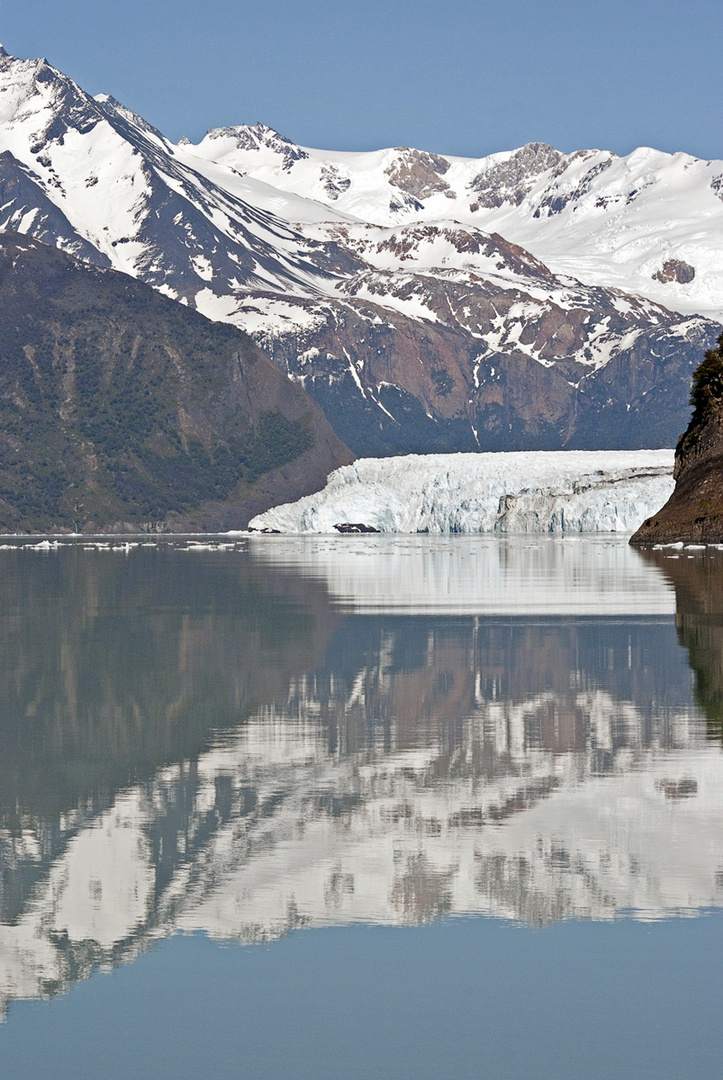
{"x": 119, "y": 406}
{"x": 694, "y": 512}
{"x": 706, "y": 392}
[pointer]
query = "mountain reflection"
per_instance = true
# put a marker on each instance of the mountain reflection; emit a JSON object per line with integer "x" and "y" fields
{"x": 220, "y": 741}
{"x": 697, "y": 577}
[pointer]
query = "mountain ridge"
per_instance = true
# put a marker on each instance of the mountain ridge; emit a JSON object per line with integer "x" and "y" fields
{"x": 548, "y": 186}
{"x": 442, "y": 328}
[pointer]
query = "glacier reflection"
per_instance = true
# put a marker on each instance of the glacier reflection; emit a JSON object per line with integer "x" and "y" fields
{"x": 220, "y": 742}
{"x": 473, "y": 574}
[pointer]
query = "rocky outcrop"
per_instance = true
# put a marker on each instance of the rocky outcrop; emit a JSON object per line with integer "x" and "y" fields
{"x": 675, "y": 270}
{"x": 512, "y": 178}
{"x": 694, "y": 512}
{"x": 419, "y": 174}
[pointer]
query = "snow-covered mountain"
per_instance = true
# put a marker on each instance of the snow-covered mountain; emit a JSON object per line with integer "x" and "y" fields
{"x": 648, "y": 222}
{"x": 106, "y": 186}
{"x": 427, "y": 303}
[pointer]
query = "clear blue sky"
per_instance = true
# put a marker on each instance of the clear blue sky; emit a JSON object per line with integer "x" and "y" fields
{"x": 462, "y": 76}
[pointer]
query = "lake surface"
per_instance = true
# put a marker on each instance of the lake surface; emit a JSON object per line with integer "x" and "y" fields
{"x": 396, "y": 807}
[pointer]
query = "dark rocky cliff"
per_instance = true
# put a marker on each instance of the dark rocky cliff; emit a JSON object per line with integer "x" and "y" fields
{"x": 122, "y": 410}
{"x": 694, "y": 512}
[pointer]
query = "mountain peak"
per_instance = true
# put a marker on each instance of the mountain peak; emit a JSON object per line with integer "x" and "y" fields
{"x": 250, "y": 136}
{"x": 260, "y": 136}
{"x": 111, "y": 108}
{"x": 509, "y": 178}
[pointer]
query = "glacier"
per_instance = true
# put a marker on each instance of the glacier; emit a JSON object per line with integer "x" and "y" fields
{"x": 556, "y": 492}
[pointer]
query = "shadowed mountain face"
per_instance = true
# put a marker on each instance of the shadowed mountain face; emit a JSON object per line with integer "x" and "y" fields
{"x": 121, "y": 409}
{"x": 208, "y": 740}
{"x": 427, "y": 359}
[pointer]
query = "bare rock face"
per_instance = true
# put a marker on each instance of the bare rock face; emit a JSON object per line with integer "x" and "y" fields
{"x": 694, "y": 512}
{"x": 675, "y": 270}
{"x": 419, "y": 173}
{"x": 508, "y": 181}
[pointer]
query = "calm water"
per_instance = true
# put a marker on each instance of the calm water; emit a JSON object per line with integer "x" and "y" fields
{"x": 404, "y": 808}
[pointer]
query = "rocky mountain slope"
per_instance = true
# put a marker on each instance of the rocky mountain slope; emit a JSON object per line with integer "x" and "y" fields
{"x": 119, "y": 408}
{"x": 694, "y": 511}
{"x": 452, "y": 339}
{"x": 394, "y": 285}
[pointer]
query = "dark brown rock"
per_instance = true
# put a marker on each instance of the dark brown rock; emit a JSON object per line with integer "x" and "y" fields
{"x": 675, "y": 270}
{"x": 124, "y": 411}
{"x": 694, "y": 512}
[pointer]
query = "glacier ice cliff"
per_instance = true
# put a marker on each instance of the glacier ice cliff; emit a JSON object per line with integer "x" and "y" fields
{"x": 558, "y": 492}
